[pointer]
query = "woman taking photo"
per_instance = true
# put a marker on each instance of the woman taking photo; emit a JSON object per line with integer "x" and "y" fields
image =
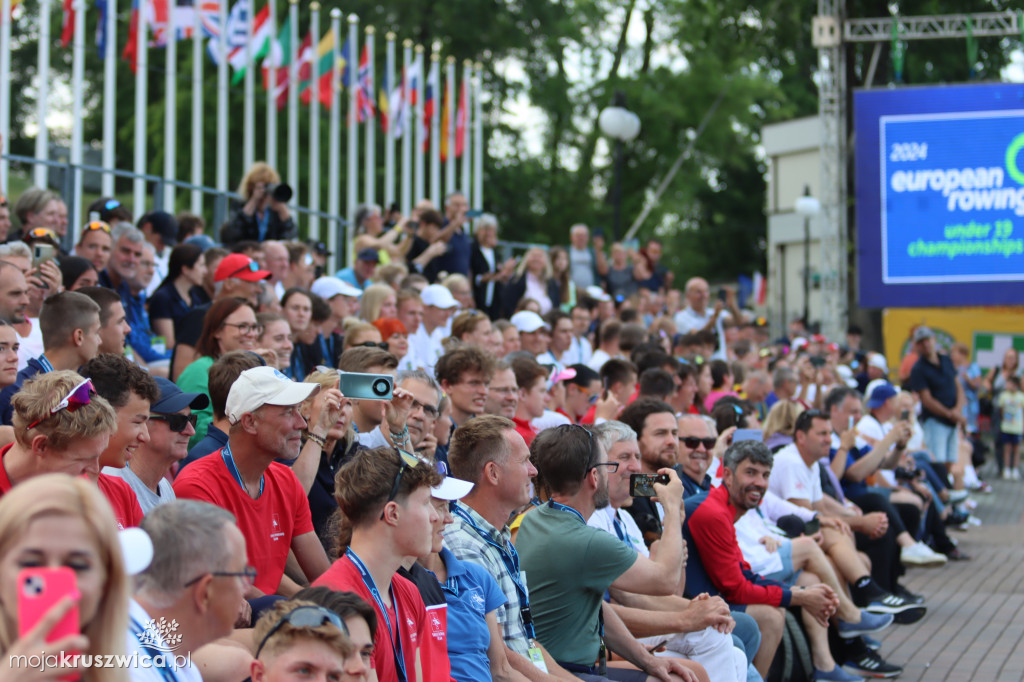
{"x": 264, "y": 215}
{"x": 54, "y": 521}
{"x": 180, "y": 291}
{"x": 230, "y": 325}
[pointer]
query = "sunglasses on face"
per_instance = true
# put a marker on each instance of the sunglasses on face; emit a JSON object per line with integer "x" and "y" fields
{"x": 305, "y": 617}
{"x": 692, "y": 442}
{"x": 79, "y": 396}
{"x": 409, "y": 461}
{"x": 176, "y": 422}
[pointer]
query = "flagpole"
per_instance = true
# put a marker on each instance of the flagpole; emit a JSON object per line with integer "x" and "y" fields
{"x": 334, "y": 139}
{"x": 141, "y": 83}
{"x": 314, "y": 124}
{"x": 249, "y": 105}
{"x": 40, "y": 172}
{"x": 5, "y": 87}
{"x": 407, "y": 133}
{"x": 109, "y": 97}
{"x": 389, "y": 134}
{"x": 77, "y": 96}
{"x": 466, "y": 105}
{"x": 435, "y": 127}
{"x": 369, "y": 155}
{"x": 449, "y": 166}
{"x": 352, "y": 176}
{"x": 478, "y": 139}
{"x": 170, "y": 108}
{"x": 420, "y": 186}
{"x": 272, "y": 90}
{"x": 222, "y": 112}
{"x": 293, "y": 96}
{"x": 196, "y": 204}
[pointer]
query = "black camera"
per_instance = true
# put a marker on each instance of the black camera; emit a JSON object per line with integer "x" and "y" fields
{"x": 280, "y": 192}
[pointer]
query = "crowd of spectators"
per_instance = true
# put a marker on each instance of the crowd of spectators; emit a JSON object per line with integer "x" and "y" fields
{"x": 576, "y": 471}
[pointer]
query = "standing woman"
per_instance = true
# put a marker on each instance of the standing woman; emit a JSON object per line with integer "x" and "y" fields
{"x": 534, "y": 279}
{"x": 562, "y": 274}
{"x": 230, "y": 324}
{"x": 51, "y": 521}
{"x": 180, "y": 291}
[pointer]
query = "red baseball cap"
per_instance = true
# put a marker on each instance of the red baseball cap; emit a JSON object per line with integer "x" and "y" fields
{"x": 241, "y": 267}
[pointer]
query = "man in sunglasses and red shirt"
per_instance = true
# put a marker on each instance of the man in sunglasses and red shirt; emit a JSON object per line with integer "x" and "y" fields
{"x": 171, "y": 424}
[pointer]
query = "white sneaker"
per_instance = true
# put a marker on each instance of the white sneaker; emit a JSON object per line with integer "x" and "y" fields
{"x": 1014, "y": 474}
{"x": 920, "y": 554}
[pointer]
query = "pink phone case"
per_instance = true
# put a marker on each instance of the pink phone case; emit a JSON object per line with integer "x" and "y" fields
{"x": 39, "y": 590}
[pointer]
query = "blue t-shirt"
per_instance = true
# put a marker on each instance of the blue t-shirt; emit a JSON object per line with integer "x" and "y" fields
{"x": 852, "y": 488}
{"x": 471, "y": 593}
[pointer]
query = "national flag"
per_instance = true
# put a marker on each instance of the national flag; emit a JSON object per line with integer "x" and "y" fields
{"x": 323, "y": 59}
{"x": 305, "y": 59}
{"x": 446, "y": 107}
{"x": 68, "y": 27}
{"x": 14, "y": 3}
{"x": 101, "y": 28}
{"x": 157, "y": 15}
{"x": 398, "y": 109}
{"x": 760, "y": 294}
{"x": 428, "y": 106}
{"x": 364, "y": 96}
{"x": 237, "y": 37}
{"x": 383, "y": 106}
{"x": 131, "y": 46}
{"x": 460, "y": 121}
{"x": 276, "y": 64}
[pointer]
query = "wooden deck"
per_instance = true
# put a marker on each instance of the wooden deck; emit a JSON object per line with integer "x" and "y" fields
{"x": 974, "y": 629}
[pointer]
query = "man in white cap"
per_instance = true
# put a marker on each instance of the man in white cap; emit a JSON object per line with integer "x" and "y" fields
{"x": 266, "y": 497}
{"x": 438, "y": 307}
{"x": 343, "y": 299}
{"x": 534, "y": 333}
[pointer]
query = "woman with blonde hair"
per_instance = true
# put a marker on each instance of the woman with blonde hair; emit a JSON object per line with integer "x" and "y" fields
{"x": 378, "y": 300}
{"x": 472, "y": 326}
{"x": 780, "y": 424}
{"x": 359, "y": 333}
{"x": 51, "y": 521}
{"x": 264, "y": 214}
{"x": 534, "y": 279}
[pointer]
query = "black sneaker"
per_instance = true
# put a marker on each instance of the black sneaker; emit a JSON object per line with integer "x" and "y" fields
{"x": 870, "y": 664}
{"x": 890, "y": 603}
{"x": 903, "y": 592}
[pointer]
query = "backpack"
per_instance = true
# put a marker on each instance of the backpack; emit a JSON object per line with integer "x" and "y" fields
{"x": 792, "y": 662}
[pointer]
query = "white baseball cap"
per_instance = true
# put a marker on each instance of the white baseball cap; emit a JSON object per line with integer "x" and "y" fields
{"x": 438, "y": 296}
{"x": 527, "y": 321}
{"x": 329, "y": 287}
{"x": 261, "y": 386}
{"x": 451, "y": 488}
{"x": 597, "y": 293}
{"x": 877, "y": 360}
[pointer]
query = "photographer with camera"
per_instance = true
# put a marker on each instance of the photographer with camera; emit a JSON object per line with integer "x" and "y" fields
{"x": 264, "y": 215}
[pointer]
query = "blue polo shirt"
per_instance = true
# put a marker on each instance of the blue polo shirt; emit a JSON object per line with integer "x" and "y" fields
{"x": 940, "y": 380}
{"x": 35, "y": 366}
{"x": 456, "y": 258}
{"x": 471, "y": 593}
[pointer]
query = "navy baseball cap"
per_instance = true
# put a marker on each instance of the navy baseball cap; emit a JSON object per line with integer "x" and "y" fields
{"x": 172, "y": 399}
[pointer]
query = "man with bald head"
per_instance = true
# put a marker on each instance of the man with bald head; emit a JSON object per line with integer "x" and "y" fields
{"x": 697, "y": 317}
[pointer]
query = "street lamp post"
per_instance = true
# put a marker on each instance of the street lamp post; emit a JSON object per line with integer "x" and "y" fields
{"x": 808, "y": 207}
{"x": 621, "y": 125}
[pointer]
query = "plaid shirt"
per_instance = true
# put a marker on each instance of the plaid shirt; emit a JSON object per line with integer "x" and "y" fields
{"x": 467, "y": 545}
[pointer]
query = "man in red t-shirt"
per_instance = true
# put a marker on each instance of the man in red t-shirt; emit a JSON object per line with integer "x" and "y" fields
{"x": 385, "y": 497}
{"x": 532, "y": 379}
{"x": 265, "y": 496}
{"x": 55, "y": 431}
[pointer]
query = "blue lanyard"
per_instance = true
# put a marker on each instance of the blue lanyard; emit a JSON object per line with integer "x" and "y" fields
{"x": 326, "y": 350}
{"x": 562, "y": 507}
{"x": 396, "y": 648}
{"x": 229, "y": 462}
{"x": 620, "y": 529}
{"x": 511, "y": 561}
{"x": 166, "y": 673}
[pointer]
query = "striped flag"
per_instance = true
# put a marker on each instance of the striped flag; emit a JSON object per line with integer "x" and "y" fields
{"x": 398, "y": 108}
{"x": 276, "y": 64}
{"x": 460, "y": 122}
{"x": 68, "y": 27}
{"x": 428, "y": 107}
{"x": 384, "y": 104}
{"x": 322, "y": 59}
{"x": 305, "y": 57}
{"x": 446, "y": 111}
{"x": 364, "y": 96}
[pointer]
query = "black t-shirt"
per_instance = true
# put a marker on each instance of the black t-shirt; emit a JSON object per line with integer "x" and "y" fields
{"x": 940, "y": 380}
{"x": 323, "y": 351}
{"x": 321, "y": 494}
{"x": 189, "y": 327}
{"x": 426, "y": 583}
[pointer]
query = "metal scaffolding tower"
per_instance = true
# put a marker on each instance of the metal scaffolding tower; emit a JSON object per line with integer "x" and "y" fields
{"x": 830, "y": 30}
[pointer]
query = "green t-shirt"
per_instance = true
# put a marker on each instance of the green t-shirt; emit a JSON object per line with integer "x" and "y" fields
{"x": 568, "y": 567}
{"x": 196, "y": 379}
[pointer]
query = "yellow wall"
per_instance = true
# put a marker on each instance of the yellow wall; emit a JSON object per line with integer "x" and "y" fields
{"x": 958, "y": 324}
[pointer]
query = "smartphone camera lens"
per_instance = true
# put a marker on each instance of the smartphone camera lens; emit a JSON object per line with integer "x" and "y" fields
{"x": 381, "y": 387}
{"x": 33, "y": 586}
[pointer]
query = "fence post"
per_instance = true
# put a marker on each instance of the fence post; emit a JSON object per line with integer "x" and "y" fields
{"x": 158, "y": 196}
{"x": 220, "y": 214}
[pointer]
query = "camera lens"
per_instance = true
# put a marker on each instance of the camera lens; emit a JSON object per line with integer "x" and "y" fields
{"x": 381, "y": 387}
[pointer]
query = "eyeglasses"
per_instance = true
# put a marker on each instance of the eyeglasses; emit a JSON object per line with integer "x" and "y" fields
{"x": 78, "y": 396}
{"x": 305, "y": 617}
{"x": 693, "y": 442}
{"x": 246, "y": 328}
{"x": 177, "y": 422}
{"x": 248, "y": 574}
{"x": 252, "y": 266}
{"x": 97, "y": 225}
{"x": 383, "y": 345}
{"x": 409, "y": 461}
{"x": 428, "y": 410}
{"x": 612, "y": 466}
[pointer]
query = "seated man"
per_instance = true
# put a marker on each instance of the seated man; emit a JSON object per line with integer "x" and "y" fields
{"x": 48, "y": 437}
{"x": 716, "y": 564}
{"x": 571, "y": 565}
{"x": 284, "y": 646}
{"x": 266, "y": 497}
{"x": 696, "y": 629}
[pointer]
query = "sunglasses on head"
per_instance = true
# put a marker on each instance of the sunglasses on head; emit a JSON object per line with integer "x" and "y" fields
{"x": 409, "y": 461}
{"x": 78, "y": 396}
{"x": 111, "y": 204}
{"x": 305, "y": 617}
{"x": 97, "y": 225}
{"x": 176, "y": 422}
{"x": 41, "y": 233}
{"x": 3, "y": 202}
{"x": 693, "y": 442}
{"x": 383, "y": 345}
{"x": 252, "y": 266}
